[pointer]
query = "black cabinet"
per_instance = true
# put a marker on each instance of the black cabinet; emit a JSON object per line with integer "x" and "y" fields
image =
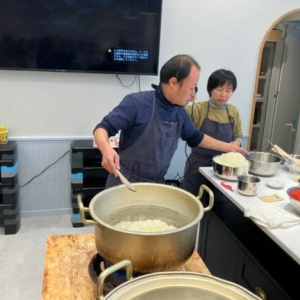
{"x": 88, "y": 177}
{"x": 251, "y": 276}
{"x": 220, "y": 261}
{"x": 236, "y": 249}
{"x": 9, "y": 188}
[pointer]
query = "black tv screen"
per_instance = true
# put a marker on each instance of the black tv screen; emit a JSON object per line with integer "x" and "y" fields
{"x": 101, "y": 36}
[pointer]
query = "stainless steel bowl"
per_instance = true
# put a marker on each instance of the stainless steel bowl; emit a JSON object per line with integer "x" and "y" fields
{"x": 295, "y": 202}
{"x": 247, "y": 184}
{"x": 263, "y": 163}
{"x": 292, "y": 167}
{"x": 228, "y": 173}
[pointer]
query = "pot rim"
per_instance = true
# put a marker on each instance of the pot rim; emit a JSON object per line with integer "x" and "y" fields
{"x": 129, "y": 288}
{"x": 241, "y": 178}
{"x": 249, "y": 157}
{"x": 217, "y": 163}
{"x": 160, "y": 233}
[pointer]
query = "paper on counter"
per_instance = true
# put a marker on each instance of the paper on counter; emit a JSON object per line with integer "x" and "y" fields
{"x": 271, "y": 198}
{"x": 270, "y": 216}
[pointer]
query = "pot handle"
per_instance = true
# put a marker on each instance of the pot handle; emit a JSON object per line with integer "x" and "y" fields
{"x": 100, "y": 284}
{"x": 211, "y": 196}
{"x": 260, "y": 293}
{"x": 82, "y": 210}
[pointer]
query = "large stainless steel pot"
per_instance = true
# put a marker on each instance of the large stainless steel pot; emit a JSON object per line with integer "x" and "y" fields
{"x": 173, "y": 286}
{"x": 149, "y": 252}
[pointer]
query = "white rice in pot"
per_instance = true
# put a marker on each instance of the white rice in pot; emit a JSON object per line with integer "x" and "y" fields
{"x": 145, "y": 225}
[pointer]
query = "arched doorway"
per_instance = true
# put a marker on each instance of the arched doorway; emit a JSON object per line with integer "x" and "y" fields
{"x": 276, "y": 97}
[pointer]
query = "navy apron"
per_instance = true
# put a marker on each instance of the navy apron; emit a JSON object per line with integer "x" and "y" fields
{"x": 202, "y": 157}
{"x": 149, "y": 157}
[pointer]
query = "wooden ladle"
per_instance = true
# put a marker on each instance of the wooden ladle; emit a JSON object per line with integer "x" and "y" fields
{"x": 126, "y": 182}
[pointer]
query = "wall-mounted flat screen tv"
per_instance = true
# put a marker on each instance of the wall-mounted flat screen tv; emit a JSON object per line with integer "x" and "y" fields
{"x": 100, "y": 36}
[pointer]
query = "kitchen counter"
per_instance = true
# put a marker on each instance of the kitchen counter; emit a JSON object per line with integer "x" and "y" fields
{"x": 287, "y": 239}
{"x": 66, "y": 273}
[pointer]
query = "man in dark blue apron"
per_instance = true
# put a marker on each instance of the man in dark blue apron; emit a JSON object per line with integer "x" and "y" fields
{"x": 151, "y": 123}
{"x": 217, "y": 122}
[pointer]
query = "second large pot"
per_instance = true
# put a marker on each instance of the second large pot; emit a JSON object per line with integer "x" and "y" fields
{"x": 174, "y": 286}
{"x": 148, "y": 252}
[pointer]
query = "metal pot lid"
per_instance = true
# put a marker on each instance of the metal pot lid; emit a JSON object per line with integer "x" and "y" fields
{"x": 178, "y": 286}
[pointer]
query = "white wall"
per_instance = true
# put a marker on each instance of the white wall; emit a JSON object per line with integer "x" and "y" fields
{"x": 218, "y": 33}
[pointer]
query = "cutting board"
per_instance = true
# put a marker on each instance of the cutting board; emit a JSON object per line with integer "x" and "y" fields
{"x": 66, "y": 267}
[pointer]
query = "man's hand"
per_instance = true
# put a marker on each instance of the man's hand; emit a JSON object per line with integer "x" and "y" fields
{"x": 211, "y": 143}
{"x": 238, "y": 149}
{"x": 110, "y": 158}
{"x": 111, "y": 161}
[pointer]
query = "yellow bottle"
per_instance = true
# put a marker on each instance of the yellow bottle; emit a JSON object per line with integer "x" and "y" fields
{"x": 3, "y": 134}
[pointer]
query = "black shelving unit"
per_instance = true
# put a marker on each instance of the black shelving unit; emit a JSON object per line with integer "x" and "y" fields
{"x": 88, "y": 177}
{"x": 9, "y": 188}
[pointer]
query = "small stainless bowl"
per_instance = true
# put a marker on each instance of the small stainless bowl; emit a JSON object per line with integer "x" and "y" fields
{"x": 294, "y": 202}
{"x": 292, "y": 167}
{"x": 228, "y": 173}
{"x": 263, "y": 163}
{"x": 247, "y": 184}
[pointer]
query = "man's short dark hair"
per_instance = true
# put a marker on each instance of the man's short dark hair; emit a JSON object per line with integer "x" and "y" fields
{"x": 179, "y": 67}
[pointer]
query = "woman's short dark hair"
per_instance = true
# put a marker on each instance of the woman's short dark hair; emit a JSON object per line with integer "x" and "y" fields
{"x": 179, "y": 67}
{"x": 219, "y": 78}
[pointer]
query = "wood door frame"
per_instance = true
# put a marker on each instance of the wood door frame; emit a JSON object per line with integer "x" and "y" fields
{"x": 265, "y": 39}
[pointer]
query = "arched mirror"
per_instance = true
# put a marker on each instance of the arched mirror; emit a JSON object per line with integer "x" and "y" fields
{"x": 276, "y": 102}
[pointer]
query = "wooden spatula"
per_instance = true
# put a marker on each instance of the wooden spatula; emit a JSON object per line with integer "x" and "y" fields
{"x": 126, "y": 182}
{"x": 283, "y": 153}
{"x": 273, "y": 149}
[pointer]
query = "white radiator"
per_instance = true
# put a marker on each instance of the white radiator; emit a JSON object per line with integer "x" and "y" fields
{"x": 49, "y": 193}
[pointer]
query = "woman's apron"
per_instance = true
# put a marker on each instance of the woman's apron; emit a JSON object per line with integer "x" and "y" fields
{"x": 148, "y": 158}
{"x": 202, "y": 157}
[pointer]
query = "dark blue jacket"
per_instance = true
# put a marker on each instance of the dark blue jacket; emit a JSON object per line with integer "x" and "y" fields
{"x": 131, "y": 116}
